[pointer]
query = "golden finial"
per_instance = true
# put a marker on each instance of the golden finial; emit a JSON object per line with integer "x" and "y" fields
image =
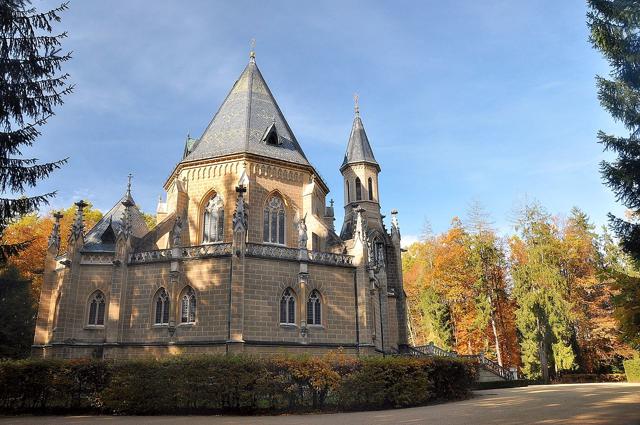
{"x": 252, "y": 52}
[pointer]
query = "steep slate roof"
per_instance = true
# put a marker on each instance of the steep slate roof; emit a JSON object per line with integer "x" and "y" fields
{"x": 358, "y": 149}
{"x": 113, "y": 218}
{"x": 241, "y": 122}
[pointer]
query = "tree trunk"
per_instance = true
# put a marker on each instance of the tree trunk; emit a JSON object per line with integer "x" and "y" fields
{"x": 542, "y": 350}
{"x": 497, "y": 340}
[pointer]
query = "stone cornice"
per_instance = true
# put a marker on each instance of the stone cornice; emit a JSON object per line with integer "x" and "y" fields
{"x": 242, "y": 157}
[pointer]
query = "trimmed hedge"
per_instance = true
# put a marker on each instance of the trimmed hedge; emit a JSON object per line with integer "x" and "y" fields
{"x": 586, "y": 378}
{"x": 240, "y": 384}
{"x": 632, "y": 369}
{"x": 494, "y": 385}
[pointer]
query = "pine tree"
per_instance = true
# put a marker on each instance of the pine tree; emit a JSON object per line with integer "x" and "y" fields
{"x": 31, "y": 86}
{"x": 623, "y": 277}
{"x": 435, "y": 323}
{"x": 543, "y": 316}
{"x": 615, "y": 31}
{"x": 17, "y": 313}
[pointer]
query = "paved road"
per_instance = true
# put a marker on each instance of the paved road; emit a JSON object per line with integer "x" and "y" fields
{"x": 581, "y": 404}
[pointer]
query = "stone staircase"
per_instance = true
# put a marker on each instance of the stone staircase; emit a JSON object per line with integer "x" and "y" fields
{"x": 488, "y": 369}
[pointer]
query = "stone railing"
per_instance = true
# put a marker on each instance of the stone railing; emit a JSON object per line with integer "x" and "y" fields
{"x": 330, "y": 258}
{"x": 282, "y": 252}
{"x": 494, "y": 367}
{"x": 432, "y": 350}
{"x": 272, "y": 251}
{"x": 150, "y": 256}
{"x": 208, "y": 250}
{"x": 97, "y": 259}
{"x": 252, "y": 250}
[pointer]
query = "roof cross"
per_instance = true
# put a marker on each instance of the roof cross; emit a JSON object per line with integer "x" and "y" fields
{"x": 357, "y": 106}
{"x": 252, "y": 52}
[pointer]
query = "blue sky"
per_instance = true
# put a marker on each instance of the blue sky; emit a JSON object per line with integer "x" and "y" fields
{"x": 491, "y": 101}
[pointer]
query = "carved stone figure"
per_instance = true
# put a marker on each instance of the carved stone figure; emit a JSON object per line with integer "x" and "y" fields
{"x": 54, "y": 238}
{"x": 240, "y": 214}
{"x": 177, "y": 232}
{"x": 302, "y": 232}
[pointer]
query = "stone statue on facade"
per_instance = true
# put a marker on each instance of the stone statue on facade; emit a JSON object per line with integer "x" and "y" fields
{"x": 77, "y": 228}
{"x": 240, "y": 214}
{"x": 302, "y": 232}
{"x": 54, "y": 238}
{"x": 176, "y": 237}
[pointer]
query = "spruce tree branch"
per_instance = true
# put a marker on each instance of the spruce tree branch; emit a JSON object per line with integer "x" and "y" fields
{"x": 16, "y": 177}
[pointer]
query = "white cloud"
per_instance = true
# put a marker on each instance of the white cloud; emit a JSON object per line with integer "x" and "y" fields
{"x": 408, "y": 240}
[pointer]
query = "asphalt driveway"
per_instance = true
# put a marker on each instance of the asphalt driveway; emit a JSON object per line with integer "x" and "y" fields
{"x": 582, "y": 404}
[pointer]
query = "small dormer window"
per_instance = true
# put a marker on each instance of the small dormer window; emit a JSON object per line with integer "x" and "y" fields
{"x": 109, "y": 236}
{"x": 271, "y": 135}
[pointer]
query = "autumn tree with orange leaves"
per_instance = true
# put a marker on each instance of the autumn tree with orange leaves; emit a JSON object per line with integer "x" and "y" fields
{"x": 541, "y": 299}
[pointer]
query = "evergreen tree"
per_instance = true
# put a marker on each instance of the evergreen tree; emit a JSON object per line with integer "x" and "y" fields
{"x": 435, "y": 323}
{"x": 624, "y": 278}
{"x": 31, "y": 85}
{"x": 17, "y": 314}
{"x": 543, "y": 316}
{"x": 615, "y": 31}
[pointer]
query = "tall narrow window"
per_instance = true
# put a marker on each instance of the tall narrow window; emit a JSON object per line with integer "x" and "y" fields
{"x": 274, "y": 221}
{"x": 213, "y": 221}
{"x": 162, "y": 307}
{"x": 288, "y": 307}
{"x": 96, "y": 309}
{"x": 314, "y": 309}
{"x": 188, "y": 306}
{"x": 358, "y": 189}
{"x": 370, "y": 188}
{"x": 348, "y": 192}
{"x": 378, "y": 252}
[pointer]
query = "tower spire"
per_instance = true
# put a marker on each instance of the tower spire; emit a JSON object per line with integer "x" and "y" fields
{"x": 126, "y": 229}
{"x": 252, "y": 52}
{"x": 77, "y": 228}
{"x": 127, "y": 195}
{"x": 356, "y": 106}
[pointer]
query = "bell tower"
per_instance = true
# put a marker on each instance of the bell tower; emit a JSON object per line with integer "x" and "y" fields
{"x": 360, "y": 174}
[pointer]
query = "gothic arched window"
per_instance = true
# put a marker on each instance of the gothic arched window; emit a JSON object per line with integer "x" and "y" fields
{"x": 314, "y": 309}
{"x": 348, "y": 192}
{"x": 213, "y": 220}
{"x": 378, "y": 251}
{"x": 162, "y": 307}
{"x": 358, "y": 189}
{"x": 274, "y": 222}
{"x": 288, "y": 307}
{"x": 97, "y": 306}
{"x": 370, "y": 188}
{"x": 188, "y": 306}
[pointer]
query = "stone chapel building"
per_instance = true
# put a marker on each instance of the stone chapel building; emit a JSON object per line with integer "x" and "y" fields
{"x": 244, "y": 257}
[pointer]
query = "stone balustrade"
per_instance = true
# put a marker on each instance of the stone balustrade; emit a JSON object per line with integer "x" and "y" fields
{"x": 252, "y": 250}
{"x": 207, "y": 250}
{"x": 157, "y": 255}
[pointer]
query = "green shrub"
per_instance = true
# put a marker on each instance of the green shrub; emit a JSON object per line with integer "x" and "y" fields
{"x": 584, "y": 378}
{"x": 240, "y": 384}
{"x": 31, "y": 385}
{"x": 632, "y": 369}
{"x": 494, "y": 385}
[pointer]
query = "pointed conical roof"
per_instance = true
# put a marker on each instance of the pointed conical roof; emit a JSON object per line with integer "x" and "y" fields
{"x": 111, "y": 223}
{"x": 358, "y": 149}
{"x": 239, "y": 125}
